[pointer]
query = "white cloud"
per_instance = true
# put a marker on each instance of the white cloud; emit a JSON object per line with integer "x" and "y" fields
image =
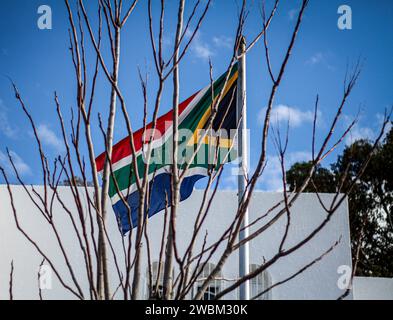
{"x": 358, "y": 132}
{"x": 381, "y": 119}
{"x": 316, "y": 58}
{"x": 292, "y": 14}
{"x": 5, "y": 126}
{"x": 271, "y": 179}
{"x": 199, "y": 48}
{"x": 223, "y": 42}
{"x": 320, "y": 58}
{"x": 49, "y": 138}
{"x": 283, "y": 113}
{"x": 21, "y": 166}
{"x": 167, "y": 42}
{"x": 204, "y": 50}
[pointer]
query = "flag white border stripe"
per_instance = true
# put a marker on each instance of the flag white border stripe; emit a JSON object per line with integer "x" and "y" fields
{"x": 126, "y": 192}
{"x": 159, "y": 142}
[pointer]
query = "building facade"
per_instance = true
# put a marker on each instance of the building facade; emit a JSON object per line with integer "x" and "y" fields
{"x": 323, "y": 280}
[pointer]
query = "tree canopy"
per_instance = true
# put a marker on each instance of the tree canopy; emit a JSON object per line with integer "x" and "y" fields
{"x": 370, "y": 200}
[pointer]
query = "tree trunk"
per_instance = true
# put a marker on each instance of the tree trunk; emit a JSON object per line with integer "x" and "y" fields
{"x": 168, "y": 270}
{"x": 103, "y": 281}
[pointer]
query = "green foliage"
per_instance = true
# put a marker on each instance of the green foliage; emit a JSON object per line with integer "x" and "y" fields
{"x": 323, "y": 179}
{"x": 370, "y": 199}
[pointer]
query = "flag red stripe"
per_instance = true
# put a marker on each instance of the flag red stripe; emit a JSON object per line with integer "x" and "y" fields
{"x": 123, "y": 148}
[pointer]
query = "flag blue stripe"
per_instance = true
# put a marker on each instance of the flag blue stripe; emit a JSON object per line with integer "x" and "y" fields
{"x": 160, "y": 187}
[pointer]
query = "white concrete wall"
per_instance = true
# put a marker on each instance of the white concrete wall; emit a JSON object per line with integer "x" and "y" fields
{"x": 372, "y": 288}
{"x": 318, "y": 282}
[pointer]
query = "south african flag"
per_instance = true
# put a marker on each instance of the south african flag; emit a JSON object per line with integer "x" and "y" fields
{"x": 206, "y": 141}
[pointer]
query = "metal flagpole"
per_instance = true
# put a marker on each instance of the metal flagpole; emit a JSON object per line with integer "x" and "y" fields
{"x": 241, "y": 111}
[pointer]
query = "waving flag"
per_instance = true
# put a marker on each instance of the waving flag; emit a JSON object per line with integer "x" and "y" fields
{"x": 194, "y": 116}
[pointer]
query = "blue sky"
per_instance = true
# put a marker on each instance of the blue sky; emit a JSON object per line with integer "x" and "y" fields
{"x": 39, "y": 62}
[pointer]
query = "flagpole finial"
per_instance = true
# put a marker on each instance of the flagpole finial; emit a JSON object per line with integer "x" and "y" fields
{"x": 242, "y": 47}
{"x": 243, "y": 41}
